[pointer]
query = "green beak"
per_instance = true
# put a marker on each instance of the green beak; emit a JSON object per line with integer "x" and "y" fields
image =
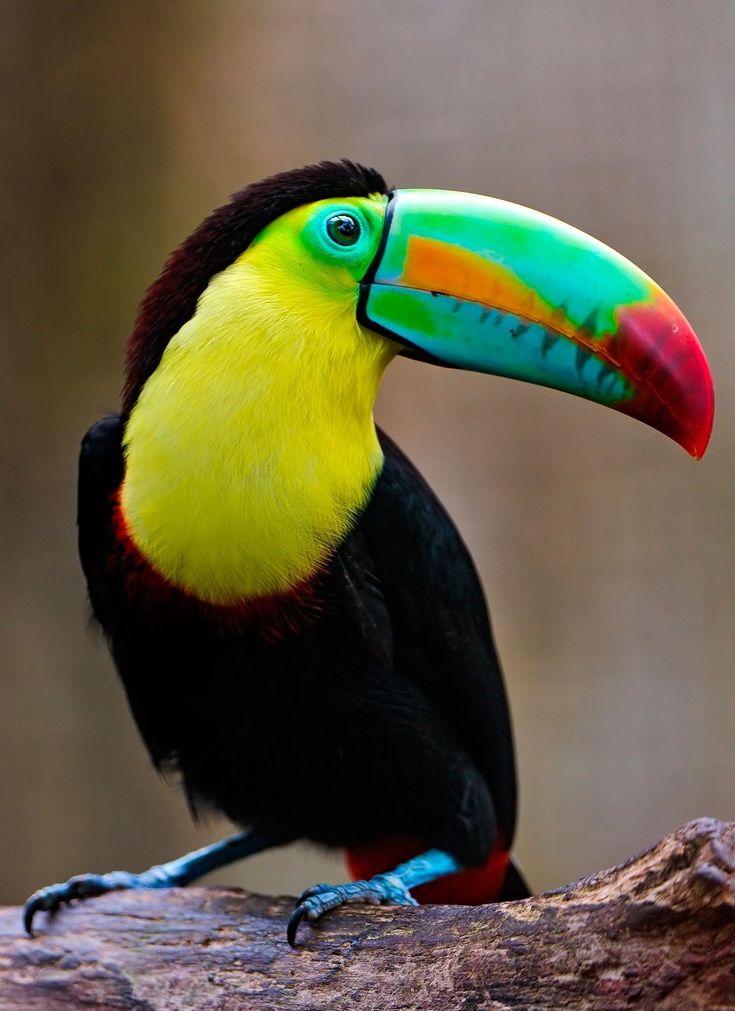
{"x": 481, "y": 284}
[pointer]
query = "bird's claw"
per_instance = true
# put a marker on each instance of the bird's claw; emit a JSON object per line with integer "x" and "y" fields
{"x": 82, "y": 886}
{"x": 384, "y": 889}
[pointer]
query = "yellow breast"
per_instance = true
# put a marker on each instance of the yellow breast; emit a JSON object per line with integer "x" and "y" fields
{"x": 252, "y": 447}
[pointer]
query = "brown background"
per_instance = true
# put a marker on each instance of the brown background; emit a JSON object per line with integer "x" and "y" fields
{"x": 606, "y": 553}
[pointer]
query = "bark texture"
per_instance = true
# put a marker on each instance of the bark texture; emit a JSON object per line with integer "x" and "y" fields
{"x": 656, "y": 932}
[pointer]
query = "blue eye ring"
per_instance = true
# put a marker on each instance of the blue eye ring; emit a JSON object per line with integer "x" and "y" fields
{"x": 343, "y": 229}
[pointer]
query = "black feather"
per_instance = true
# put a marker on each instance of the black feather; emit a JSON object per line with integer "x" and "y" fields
{"x": 384, "y": 714}
{"x": 172, "y": 298}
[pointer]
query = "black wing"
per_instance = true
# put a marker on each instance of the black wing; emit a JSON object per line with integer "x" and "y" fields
{"x": 101, "y": 468}
{"x": 100, "y": 473}
{"x": 441, "y": 631}
{"x": 407, "y": 587}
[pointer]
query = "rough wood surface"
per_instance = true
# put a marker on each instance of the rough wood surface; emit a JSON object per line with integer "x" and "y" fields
{"x": 656, "y": 932}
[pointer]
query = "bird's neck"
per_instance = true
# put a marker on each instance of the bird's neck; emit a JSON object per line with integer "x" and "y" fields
{"x": 252, "y": 449}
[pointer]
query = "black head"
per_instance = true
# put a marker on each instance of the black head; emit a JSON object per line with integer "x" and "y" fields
{"x": 172, "y": 298}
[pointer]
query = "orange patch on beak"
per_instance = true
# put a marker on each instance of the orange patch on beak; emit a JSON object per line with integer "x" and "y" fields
{"x": 433, "y": 265}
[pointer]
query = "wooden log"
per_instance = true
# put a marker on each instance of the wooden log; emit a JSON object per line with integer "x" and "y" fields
{"x": 656, "y": 932}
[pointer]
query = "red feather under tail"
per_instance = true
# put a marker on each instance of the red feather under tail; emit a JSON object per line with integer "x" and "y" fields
{"x": 471, "y": 887}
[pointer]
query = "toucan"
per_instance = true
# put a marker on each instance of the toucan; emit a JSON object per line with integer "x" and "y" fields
{"x": 299, "y": 628}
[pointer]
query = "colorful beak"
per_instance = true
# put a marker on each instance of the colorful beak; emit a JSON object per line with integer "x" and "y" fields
{"x": 481, "y": 284}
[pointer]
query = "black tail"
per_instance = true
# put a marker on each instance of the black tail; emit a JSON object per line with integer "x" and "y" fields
{"x": 514, "y": 886}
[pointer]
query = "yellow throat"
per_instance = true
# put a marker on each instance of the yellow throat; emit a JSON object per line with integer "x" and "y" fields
{"x": 252, "y": 447}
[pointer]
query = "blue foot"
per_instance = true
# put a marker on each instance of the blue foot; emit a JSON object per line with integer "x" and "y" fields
{"x": 82, "y": 886}
{"x": 383, "y": 889}
{"x": 170, "y": 875}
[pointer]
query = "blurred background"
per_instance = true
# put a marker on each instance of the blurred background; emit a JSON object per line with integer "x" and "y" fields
{"x": 606, "y": 553}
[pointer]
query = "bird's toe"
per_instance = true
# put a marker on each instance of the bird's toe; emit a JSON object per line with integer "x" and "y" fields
{"x": 319, "y": 899}
{"x": 47, "y": 899}
{"x": 81, "y": 886}
{"x": 314, "y": 890}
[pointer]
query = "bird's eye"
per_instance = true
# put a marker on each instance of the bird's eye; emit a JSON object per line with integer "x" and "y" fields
{"x": 343, "y": 229}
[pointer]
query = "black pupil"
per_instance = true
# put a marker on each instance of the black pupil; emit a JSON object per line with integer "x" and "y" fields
{"x": 343, "y": 229}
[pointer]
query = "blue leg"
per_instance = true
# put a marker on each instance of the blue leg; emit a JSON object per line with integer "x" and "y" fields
{"x": 177, "y": 872}
{"x": 393, "y": 889}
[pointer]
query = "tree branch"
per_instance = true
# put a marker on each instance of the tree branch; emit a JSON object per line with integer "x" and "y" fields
{"x": 656, "y": 932}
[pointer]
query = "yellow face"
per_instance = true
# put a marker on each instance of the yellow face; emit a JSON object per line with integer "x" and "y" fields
{"x": 251, "y": 448}
{"x": 327, "y": 245}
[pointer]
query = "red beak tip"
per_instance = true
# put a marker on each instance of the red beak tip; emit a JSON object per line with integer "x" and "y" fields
{"x": 696, "y": 440}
